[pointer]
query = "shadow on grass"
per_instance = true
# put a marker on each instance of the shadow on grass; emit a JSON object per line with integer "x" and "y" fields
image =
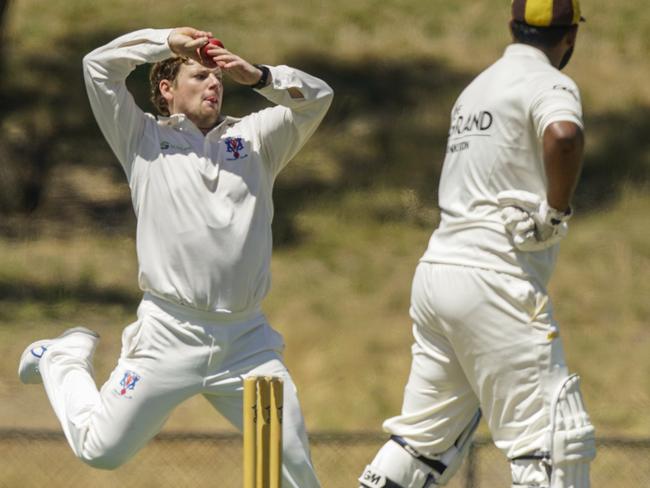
{"x": 386, "y": 128}
{"x": 82, "y": 293}
{"x": 620, "y": 156}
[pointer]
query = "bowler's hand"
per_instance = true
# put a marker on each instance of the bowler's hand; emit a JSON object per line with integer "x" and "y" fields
{"x": 184, "y": 41}
{"x": 237, "y": 68}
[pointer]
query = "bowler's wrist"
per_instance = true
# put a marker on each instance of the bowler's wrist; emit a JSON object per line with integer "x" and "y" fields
{"x": 264, "y": 79}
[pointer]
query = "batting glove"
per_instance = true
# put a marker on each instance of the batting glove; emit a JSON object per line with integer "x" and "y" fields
{"x": 532, "y": 223}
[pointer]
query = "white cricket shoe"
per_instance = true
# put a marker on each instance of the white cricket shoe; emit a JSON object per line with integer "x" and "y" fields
{"x": 28, "y": 371}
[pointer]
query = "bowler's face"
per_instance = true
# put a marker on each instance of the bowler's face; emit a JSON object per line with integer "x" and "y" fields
{"x": 197, "y": 93}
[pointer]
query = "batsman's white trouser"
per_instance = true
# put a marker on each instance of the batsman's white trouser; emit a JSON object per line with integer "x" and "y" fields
{"x": 484, "y": 339}
{"x": 168, "y": 355}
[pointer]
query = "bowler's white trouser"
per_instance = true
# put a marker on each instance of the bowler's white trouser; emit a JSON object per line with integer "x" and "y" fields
{"x": 168, "y": 355}
{"x": 481, "y": 338}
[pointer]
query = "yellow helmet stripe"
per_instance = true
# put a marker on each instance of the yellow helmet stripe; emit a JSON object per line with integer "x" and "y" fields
{"x": 576, "y": 11}
{"x": 540, "y": 12}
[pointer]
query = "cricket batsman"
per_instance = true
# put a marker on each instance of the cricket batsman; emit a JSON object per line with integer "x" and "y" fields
{"x": 485, "y": 340}
{"x": 201, "y": 185}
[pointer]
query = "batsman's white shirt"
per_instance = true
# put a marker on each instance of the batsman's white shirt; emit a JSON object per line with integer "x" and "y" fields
{"x": 203, "y": 204}
{"x": 494, "y": 144}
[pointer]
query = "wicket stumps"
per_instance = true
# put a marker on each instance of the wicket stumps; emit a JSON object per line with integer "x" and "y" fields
{"x": 263, "y": 400}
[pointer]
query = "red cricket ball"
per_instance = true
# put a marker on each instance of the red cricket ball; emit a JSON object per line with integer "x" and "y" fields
{"x": 203, "y": 53}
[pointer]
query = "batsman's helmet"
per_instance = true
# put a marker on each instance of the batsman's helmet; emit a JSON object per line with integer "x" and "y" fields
{"x": 547, "y": 13}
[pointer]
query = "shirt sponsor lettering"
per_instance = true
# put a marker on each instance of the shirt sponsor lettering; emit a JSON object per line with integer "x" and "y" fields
{"x": 166, "y": 146}
{"x": 567, "y": 89}
{"x": 460, "y": 146}
{"x": 472, "y": 123}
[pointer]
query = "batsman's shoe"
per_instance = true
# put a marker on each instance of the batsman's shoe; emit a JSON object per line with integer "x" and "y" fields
{"x": 28, "y": 370}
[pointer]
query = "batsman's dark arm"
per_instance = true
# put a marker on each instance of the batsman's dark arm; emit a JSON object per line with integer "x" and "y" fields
{"x": 563, "y": 152}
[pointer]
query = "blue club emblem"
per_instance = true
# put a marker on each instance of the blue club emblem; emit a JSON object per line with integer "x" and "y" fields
{"x": 235, "y": 146}
{"x": 128, "y": 381}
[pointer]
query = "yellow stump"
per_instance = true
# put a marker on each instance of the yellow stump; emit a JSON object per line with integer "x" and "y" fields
{"x": 250, "y": 428}
{"x": 263, "y": 427}
{"x": 262, "y": 418}
{"x": 275, "y": 450}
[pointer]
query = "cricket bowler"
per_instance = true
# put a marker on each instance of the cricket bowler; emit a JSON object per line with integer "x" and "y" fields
{"x": 485, "y": 340}
{"x": 201, "y": 185}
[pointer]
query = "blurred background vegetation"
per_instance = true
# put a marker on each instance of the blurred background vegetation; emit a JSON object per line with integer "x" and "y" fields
{"x": 353, "y": 211}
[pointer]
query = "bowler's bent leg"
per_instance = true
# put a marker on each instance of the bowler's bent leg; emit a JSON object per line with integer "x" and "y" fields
{"x": 106, "y": 428}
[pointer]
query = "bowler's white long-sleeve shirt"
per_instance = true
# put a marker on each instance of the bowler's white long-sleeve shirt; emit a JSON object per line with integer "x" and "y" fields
{"x": 203, "y": 203}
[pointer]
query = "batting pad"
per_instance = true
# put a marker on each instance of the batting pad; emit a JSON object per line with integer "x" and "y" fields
{"x": 573, "y": 442}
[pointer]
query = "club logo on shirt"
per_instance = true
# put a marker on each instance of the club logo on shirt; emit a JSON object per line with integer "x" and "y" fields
{"x": 127, "y": 383}
{"x": 235, "y": 147}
